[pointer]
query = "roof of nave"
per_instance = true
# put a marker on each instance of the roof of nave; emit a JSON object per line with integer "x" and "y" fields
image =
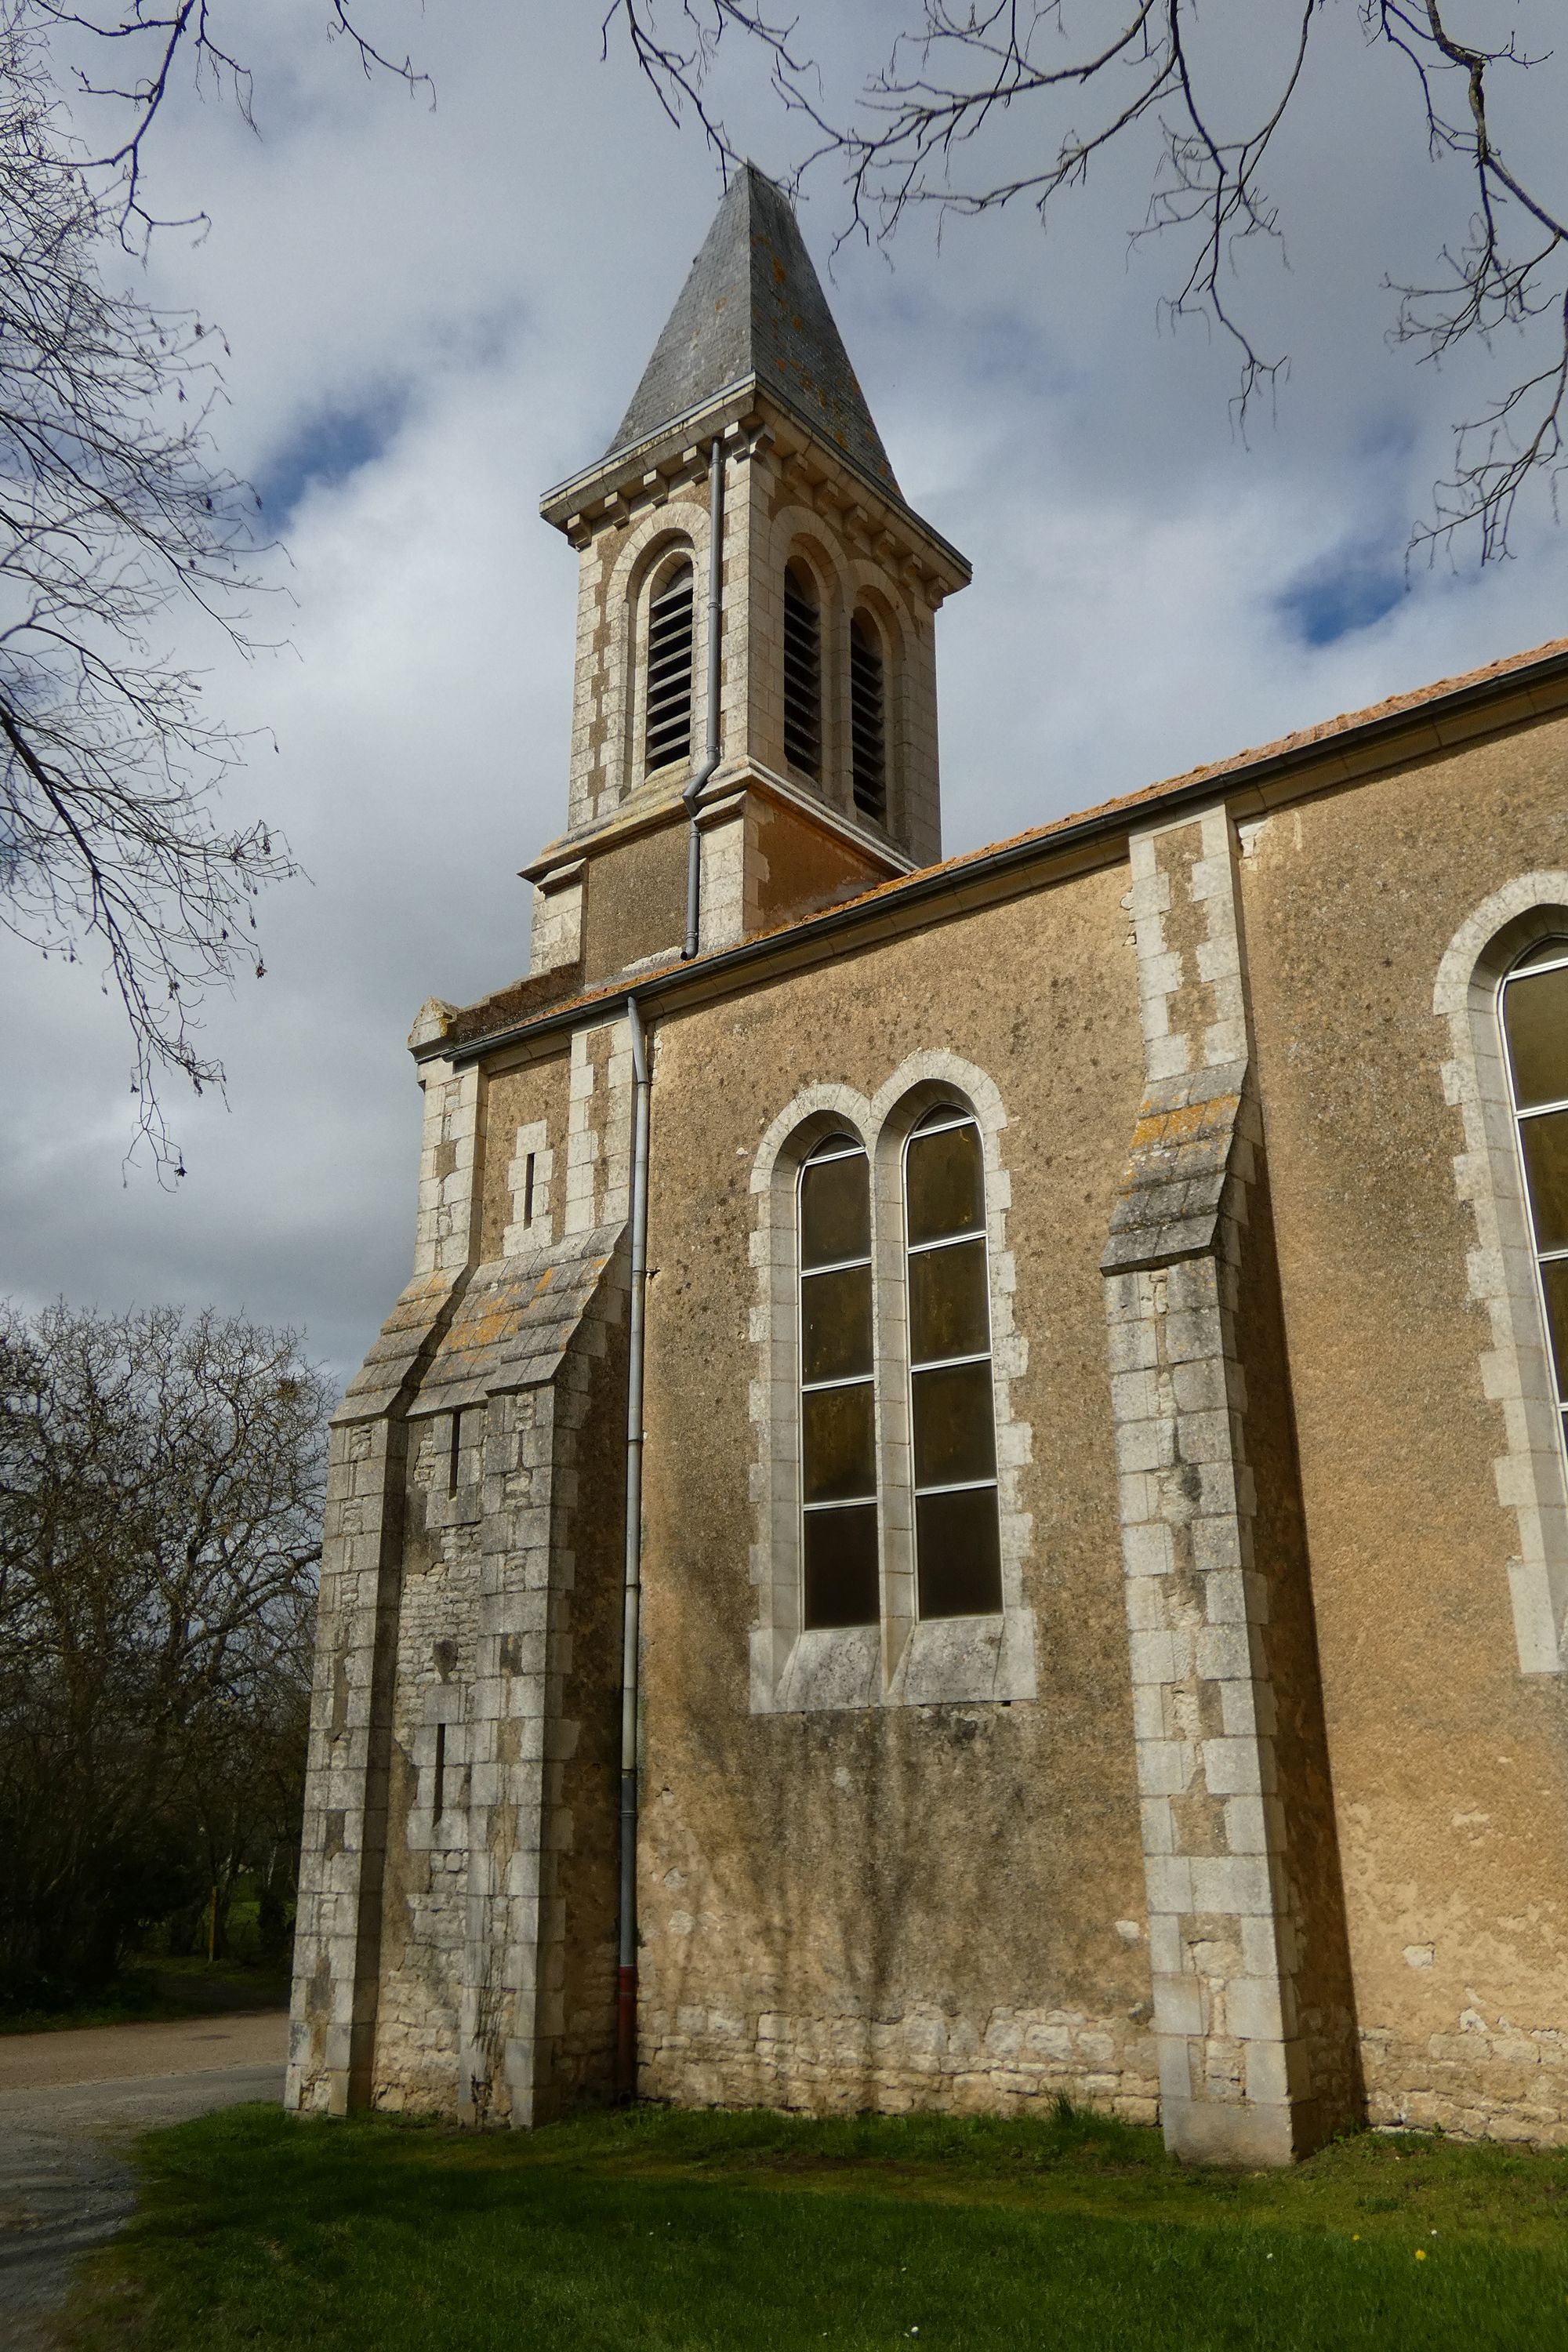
{"x": 1354, "y": 735}
{"x": 754, "y": 306}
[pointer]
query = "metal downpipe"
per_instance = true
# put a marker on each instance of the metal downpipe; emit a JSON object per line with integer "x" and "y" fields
{"x": 627, "y": 1936}
{"x": 693, "y": 791}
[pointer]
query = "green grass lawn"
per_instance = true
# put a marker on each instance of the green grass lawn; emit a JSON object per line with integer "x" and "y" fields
{"x": 686, "y": 2231}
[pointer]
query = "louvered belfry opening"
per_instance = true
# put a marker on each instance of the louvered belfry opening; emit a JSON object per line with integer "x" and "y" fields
{"x": 670, "y": 646}
{"x": 802, "y": 673}
{"x": 868, "y": 719}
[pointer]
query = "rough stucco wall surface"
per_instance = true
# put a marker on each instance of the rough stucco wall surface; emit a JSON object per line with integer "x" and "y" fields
{"x": 535, "y": 1095}
{"x": 1315, "y": 1913}
{"x": 593, "y": 1508}
{"x": 799, "y": 869}
{"x": 636, "y": 900}
{"x": 1450, "y": 1768}
{"x": 895, "y": 1906}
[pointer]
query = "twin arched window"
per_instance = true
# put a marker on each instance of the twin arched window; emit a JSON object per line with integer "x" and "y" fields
{"x": 803, "y": 695}
{"x": 1534, "y": 1009}
{"x": 936, "y": 1388}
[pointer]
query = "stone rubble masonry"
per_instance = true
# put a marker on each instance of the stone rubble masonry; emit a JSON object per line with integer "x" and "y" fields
{"x": 337, "y": 1951}
{"x": 923, "y": 2057}
{"x": 461, "y": 1961}
{"x": 1256, "y": 2057}
{"x": 451, "y": 1157}
{"x": 1477, "y": 2082}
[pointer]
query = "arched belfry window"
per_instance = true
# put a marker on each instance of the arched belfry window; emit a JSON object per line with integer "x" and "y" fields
{"x": 958, "y": 1561}
{"x": 666, "y": 731}
{"x": 838, "y": 1417}
{"x": 867, "y": 719}
{"x": 802, "y": 672}
{"x": 1534, "y": 1006}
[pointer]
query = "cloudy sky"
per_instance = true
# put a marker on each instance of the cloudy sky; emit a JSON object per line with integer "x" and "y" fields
{"x": 434, "y": 315}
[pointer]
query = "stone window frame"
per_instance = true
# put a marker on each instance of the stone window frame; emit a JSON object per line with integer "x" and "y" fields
{"x": 670, "y": 547}
{"x": 848, "y": 583}
{"x": 867, "y": 598}
{"x": 807, "y": 552}
{"x": 647, "y": 545}
{"x": 903, "y": 1661}
{"x": 532, "y": 1138}
{"x": 1531, "y": 1485}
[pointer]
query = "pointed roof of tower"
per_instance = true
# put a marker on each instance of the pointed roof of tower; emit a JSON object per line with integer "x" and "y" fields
{"x": 754, "y": 306}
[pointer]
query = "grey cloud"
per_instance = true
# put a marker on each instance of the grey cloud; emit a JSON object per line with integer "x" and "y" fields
{"x": 472, "y": 294}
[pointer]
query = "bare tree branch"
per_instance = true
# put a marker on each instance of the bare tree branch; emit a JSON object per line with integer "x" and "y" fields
{"x": 151, "y": 42}
{"x": 117, "y": 522}
{"x": 918, "y": 137}
{"x": 161, "y": 1495}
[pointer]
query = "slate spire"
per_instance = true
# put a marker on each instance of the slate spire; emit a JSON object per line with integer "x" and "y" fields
{"x": 753, "y": 305}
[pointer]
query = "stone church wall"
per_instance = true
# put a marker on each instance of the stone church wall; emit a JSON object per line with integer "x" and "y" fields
{"x": 1449, "y": 1763}
{"x": 1266, "y": 1813}
{"x": 896, "y": 1905}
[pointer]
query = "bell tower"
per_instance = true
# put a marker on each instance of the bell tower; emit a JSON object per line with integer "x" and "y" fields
{"x": 824, "y": 597}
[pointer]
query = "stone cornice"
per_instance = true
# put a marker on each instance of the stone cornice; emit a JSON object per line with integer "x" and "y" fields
{"x": 752, "y": 420}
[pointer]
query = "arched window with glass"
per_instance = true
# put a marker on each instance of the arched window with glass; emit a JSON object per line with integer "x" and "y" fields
{"x": 837, "y": 1389}
{"x": 667, "y": 725}
{"x": 1534, "y": 1012}
{"x": 802, "y": 671}
{"x": 953, "y": 1418}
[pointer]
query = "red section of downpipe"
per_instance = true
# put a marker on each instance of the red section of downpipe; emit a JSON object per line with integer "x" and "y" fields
{"x": 626, "y": 2034}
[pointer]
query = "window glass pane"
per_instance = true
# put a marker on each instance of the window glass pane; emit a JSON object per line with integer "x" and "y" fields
{"x": 837, "y": 1444}
{"x": 834, "y": 1210}
{"x": 955, "y": 1436}
{"x": 836, "y": 1323}
{"x": 841, "y": 1567}
{"x": 1545, "y": 1142}
{"x": 947, "y": 1302}
{"x": 1554, "y": 1282}
{"x": 1535, "y": 1012}
{"x": 1549, "y": 951}
{"x": 946, "y": 1191}
{"x": 958, "y": 1554}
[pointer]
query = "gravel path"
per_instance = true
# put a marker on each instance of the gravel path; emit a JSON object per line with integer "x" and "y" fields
{"x": 69, "y": 2103}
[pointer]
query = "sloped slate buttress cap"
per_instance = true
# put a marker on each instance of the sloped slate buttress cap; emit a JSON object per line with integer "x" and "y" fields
{"x": 753, "y": 305}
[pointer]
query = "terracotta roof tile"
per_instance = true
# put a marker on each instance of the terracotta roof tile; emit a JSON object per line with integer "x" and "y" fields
{"x": 1329, "y": 731}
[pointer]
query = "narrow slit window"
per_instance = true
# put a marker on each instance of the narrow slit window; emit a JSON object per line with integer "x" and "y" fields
{"x": 838, "y": 1398}
{"x": 528, "y": 1188}
{"x": 438, "y": 1794}
{"x": 668, "y": 732}
{"x": 455, "y": 1457}
{"x": 958, "y": 1557}
{"x": 1535, "y": 1025}
{"x": 868, "y": 719}
{"x": 802, "y": 673}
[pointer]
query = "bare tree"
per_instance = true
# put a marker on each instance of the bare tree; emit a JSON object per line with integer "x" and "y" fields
{"x": 161, "y": 1486}
{"x": 925, "y": 129}
{"x": 117, "y": 522}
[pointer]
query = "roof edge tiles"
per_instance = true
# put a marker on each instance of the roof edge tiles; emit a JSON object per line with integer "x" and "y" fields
{"x": 1308, "y": 747}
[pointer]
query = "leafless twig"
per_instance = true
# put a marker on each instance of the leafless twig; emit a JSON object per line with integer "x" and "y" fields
{"x": 918, "y": 136}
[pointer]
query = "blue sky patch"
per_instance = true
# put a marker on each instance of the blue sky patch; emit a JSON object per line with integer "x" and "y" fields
{"x": 1344, "y": 591}
{"x": 326, "y": 450}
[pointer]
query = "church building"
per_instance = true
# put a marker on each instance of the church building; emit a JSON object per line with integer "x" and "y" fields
{"x": 967, "y": 1500}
